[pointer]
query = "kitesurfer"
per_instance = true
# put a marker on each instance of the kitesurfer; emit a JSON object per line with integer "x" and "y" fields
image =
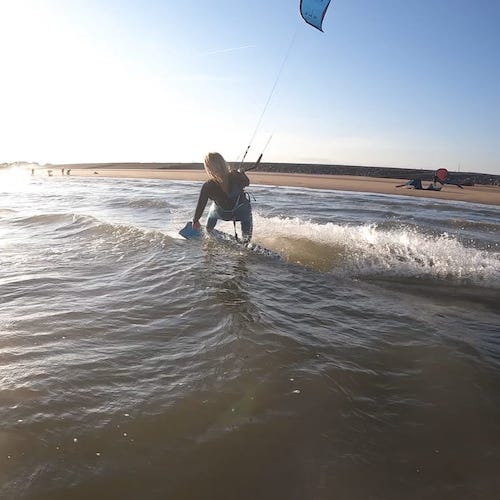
{"x": 225, "y": 188}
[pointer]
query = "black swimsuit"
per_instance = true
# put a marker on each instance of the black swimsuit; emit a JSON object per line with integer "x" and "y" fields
{"x": 235, "y": 206}
{"x": 213, "y": 190}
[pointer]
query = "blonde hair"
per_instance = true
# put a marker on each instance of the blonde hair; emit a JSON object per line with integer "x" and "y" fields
{"x": 217, "y": 169}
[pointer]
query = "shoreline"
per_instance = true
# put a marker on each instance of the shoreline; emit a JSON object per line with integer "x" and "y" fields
{"x": 483, "y": 194}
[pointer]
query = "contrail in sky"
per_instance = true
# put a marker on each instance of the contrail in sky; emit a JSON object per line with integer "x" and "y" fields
{"x": 232, "y": 49}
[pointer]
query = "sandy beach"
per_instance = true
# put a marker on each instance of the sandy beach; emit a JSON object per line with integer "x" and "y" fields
{"x": 489, "y": 195}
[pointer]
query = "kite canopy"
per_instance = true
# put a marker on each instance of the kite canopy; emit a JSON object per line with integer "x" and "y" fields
{"x": 442, "y": 174}
{"x": 313, "y": 12}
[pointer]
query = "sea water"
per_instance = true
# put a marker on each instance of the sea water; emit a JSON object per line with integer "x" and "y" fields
{"x": 137, "y": 364}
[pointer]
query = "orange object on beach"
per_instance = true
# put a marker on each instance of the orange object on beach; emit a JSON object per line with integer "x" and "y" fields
{"x": 442, "y": 174}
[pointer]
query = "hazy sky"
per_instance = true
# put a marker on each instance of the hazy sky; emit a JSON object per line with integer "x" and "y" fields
{"x": 390, "y": 82}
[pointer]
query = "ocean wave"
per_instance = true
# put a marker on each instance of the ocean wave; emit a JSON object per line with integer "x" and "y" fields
{"x": 91, "y": 231}
{"x": 368, "y": 250}
{"x": 44, "y": 219}
{"x": 141, "y": 203}
{"x": 476, "y": 225}
{"x": 6, "y": 212}
{"x": 119, "y": 238}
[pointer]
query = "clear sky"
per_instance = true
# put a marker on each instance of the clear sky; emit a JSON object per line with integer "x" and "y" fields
{"x": 389, "y": 83}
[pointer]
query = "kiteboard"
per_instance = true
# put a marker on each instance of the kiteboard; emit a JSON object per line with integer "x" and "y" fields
{"x": 191, "y": 233}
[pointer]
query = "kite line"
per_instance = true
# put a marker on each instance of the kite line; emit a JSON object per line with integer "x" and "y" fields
{"x": 283, "y": 63}
{"x": 313, "y": 12}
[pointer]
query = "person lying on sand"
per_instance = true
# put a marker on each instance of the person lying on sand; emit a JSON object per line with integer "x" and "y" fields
{"x": 417, "y": 184}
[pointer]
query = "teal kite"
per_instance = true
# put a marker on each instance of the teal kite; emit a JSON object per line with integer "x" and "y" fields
{"x": 313, "y": 12}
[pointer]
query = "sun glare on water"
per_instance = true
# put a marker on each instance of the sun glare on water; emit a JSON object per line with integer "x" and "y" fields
{"x": 14, "y": 178}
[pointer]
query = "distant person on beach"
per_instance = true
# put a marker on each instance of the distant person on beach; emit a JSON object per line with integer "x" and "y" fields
{"x": 417, "y": 184}
{"x": 62, "y": 171}
{"x": 68, "y": 171}
{"x": 32, "y": 171}
{"x": 225, "y": 188}
{"x": 436, "y": 179}
{"x": 439, "y": 179}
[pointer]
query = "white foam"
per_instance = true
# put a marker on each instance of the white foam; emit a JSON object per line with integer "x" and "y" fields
{"x": 367, "y": 250}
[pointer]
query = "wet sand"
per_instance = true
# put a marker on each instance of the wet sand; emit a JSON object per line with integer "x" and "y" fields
{"x": 489, "y": 195}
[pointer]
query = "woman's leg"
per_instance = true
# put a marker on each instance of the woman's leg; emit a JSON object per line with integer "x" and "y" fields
{"x": 247, "y": 229}
{"x": 244, "y": 215}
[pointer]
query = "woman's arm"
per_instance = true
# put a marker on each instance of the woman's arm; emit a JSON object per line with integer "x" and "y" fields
{"x": 202, "y": 203}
